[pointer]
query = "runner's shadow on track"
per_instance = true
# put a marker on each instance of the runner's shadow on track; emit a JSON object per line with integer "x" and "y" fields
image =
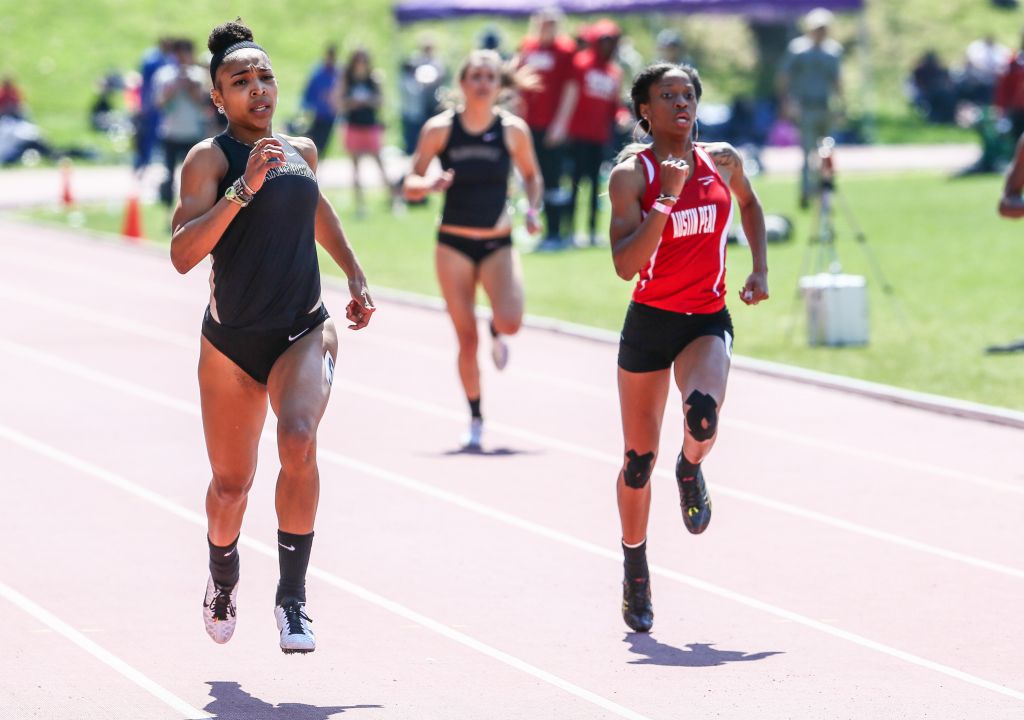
{"x": 698, "y": 654}
{"x": 231, "y": 702}
{"x": 487, "y": 452}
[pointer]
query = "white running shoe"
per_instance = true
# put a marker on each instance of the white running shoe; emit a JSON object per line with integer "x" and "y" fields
{"x": 471, "y": 440}
{"x": 499, "y": 352}
{"x": 219, "y": 611}
{"x": 293, "y": 623}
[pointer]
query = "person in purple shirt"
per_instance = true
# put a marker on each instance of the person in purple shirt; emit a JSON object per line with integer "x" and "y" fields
{"x": 317, "y": 100}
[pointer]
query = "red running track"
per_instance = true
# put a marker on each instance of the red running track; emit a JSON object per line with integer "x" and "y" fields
{"x": 864, "y": 559}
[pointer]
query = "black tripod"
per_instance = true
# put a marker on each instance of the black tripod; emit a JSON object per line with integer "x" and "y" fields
{"x": 821, "y": 254}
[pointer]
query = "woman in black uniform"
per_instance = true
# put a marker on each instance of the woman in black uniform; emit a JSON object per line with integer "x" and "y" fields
{"x": 477, "y": 144}
{"x": 249, "y": 199}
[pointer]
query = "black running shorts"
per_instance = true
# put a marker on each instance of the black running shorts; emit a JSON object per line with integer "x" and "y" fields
{"x": 652, "y": 338}
{"x": 256, "y": 351}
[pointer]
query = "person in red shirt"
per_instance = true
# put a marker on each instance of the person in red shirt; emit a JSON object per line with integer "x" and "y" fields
{"x": 10, "y": 99}
{"x": 587, "y": 114}
{"x": 671, "y": 210}
{"x": 549, "y": 56}
{"x": 1009, "y": 95}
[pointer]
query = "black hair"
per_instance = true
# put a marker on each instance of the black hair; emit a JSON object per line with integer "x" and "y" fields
{"x": 640, "y": 93}
{"x": 224, "y": 36}
{"x": 226, "y": 39}
{"x": 350, "y": 74}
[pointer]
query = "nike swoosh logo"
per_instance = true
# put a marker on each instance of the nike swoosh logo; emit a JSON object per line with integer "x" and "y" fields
{"x": 488, "y": 137}
{"x": 293, "y": 338}
{"x": 289, "y": 548}
{"x": 706, "y": 180}
{"x": 230, "y": 552}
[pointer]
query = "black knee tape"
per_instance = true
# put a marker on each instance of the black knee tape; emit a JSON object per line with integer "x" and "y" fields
{"x": 703, "y": 408}
{"x": 638, "y": 469}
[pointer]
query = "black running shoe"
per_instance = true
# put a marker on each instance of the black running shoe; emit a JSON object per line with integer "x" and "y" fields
{"x": 637, "y": 610}
{"x": 695, "y": 503}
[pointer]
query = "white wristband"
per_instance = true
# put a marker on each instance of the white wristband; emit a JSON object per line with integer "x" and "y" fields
{"x": 662, "y": 208}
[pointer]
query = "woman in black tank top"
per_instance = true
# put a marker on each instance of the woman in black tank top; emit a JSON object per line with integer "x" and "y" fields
{"x": 359, "y": 97}
{"x": 249, "y": 199}
{"x": 477, "y": 145}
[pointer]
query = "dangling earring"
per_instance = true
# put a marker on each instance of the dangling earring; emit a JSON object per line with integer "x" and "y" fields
{"x": 220, "y": 109}
{"x": 696, "y": 130}
{"x": 638, "y": 131}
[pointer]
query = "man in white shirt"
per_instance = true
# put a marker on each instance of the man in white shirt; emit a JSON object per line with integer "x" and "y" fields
{"x": 182, "y": 93}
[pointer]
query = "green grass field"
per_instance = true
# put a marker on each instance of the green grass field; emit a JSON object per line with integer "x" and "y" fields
{"x": 954, "y": 264}
{"x": 58, "y": 54}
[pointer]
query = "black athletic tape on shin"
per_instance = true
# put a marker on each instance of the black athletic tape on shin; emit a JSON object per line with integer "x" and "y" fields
{"x": 638, "y": 469}
{"x": 702, "y": 408}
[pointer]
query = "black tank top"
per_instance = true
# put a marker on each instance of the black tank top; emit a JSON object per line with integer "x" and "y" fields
{"x": 482, "y": 165}
{"x": 365, "y": 89}
{"x": 265, "y": 271}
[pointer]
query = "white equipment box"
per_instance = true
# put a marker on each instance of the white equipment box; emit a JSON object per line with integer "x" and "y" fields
{"x": 837, "y": 309}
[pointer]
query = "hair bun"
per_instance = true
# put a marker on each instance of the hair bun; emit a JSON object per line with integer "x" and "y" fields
{"x": 226, "y": 35}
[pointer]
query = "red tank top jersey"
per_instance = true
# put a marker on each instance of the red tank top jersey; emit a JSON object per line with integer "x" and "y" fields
{"x": 686, "y": 273}
{"x": 553, "y": 66}
{"x": 599, "y": 85}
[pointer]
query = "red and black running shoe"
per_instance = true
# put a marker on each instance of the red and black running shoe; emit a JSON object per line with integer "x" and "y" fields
{"x": 694, "y": 501}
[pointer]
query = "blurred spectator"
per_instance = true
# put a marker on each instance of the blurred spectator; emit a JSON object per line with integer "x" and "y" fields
{"x": 587, "y": 113}
{"x": 147, "y": 122}
{"x": 105, "y": 113}
{"x": 984, "y": 60}
{"x": 671, "y": 48}
{"x": 933, "y": 91}
{"x": 549, "y": 55}
{"x": 359, "y": 99}
{"x": 420, "y": 78}
{"x": 491, "y": 39}
{"x": 629, "y": 59}
{"x": 10, "y": 99}
{"x": 183, "y": 96}
{"x": 809, "y": 87}
{"x": 1009, "y": 93}
{"x": 318, "y": 100}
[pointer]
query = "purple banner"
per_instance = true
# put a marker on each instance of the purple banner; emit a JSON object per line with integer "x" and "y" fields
{"x": 413, "y": 10}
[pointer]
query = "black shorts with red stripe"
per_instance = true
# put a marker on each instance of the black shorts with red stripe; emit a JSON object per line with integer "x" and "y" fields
{"x": 652, "y": 338}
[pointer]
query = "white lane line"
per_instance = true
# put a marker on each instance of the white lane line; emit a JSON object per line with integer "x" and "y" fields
{"x": 101, "y": 378}
{"x": 104, "y": 656}
{"x": 861, "y": 454}
{"x": 603, "y": 393}
{"x": 87, "y": 468}
{"x": 542, "y": 531}
{"x": 616, "y": 461}
{"x": 130, "y": 286}
{"x": 696, "y": 583}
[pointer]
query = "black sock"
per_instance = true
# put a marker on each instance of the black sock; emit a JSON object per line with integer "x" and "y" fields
{"x": 224, "y": 563}
{"x": 474, "y": 408}
{"x": 685, "y": 468}
{"x": 293, "y": 558}
{"x": 635, "y": 562}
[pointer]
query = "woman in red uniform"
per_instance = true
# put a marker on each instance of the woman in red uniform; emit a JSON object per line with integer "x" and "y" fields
{"x": 671, "y": 209}
{"x": 478, "y": 144}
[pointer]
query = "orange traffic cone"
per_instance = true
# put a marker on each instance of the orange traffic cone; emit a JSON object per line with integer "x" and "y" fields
{"x": 132, "y": 228}
{"x": 66, "y": 196}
